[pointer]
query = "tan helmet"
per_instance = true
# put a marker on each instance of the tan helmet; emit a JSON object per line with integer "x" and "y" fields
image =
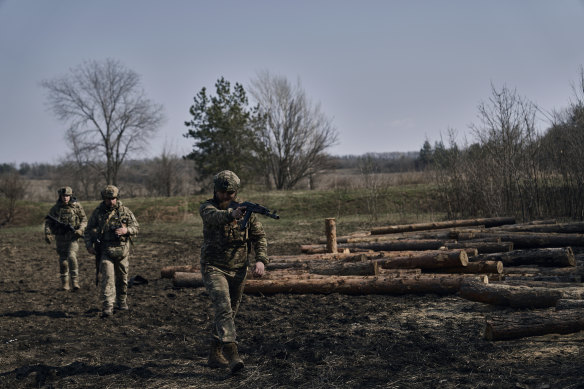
{"x": 110, "y": 192}
{"x": 226, "y": 181}
{"x": 66, "y": 190}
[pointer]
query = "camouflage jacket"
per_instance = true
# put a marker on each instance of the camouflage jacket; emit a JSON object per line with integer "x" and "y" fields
{"x": 72, "y": 214}
{"x": 103, "y": 222}
{"x": 224, "y": 244}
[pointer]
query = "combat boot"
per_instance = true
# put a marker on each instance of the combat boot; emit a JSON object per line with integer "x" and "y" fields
{"x": 75, "y": 284}
{"x": 107, "y": 311}
{"x": 216, "y": 357}
{"x": 123, "y": 305}
{"x": 65, "y": 283}
{"x": 230, "y": 352}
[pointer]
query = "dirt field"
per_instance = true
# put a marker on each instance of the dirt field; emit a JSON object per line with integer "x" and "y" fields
{"x": 55, "y": 339}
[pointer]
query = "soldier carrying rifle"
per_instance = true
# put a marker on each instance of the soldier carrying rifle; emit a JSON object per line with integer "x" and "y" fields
{"x": 108, "y": 236}
{"x": 65, "y": 224}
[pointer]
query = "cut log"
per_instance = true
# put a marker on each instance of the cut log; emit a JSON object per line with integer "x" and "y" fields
{"x": 517, "y": 296}
{"x": 570, "y": 278}
{"x": 483, "y": 247}
{"x": 357, "y": 286}
{"x": 341, "y": 284}
{"x": 446, "y": 259}
{"x": 394, "y": 245}
{"x": 562, "y": 228}
{"x": 559, "y": 257}
{"x": 488, "y": 222}
{"x": 569, "y": 304}
{"x": 524, "y": 324}
{"x": 168, "y": 271}
{"x": 482, "y": 267}
{"x": 540, "y": 270}
{"x": 536, "y": 283}
{"x": 527, "y": 240}
{"x": 331, "y": 235}
{"x": 368, "y": 268}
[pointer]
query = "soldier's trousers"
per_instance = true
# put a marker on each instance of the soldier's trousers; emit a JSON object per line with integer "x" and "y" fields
{"x": 225, "y": 289}
{"x": 68, "y": 266}
{"x": 114, "y": 279}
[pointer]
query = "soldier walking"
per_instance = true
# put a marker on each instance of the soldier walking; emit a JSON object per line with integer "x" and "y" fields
{"x": 224, "y": 262}
{"x": 66, "y": 223}
{"x": 108, "y": 236}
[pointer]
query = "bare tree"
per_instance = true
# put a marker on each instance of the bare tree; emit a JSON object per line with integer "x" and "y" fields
{"x": 169, "y": 174}
{"x": 296, "y": 134}
{"x": 106, "y": 110}
{"x": 12, "y": 187}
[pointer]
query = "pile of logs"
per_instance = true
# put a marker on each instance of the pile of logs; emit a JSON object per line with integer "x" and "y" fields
{"x": 489, "y": 260}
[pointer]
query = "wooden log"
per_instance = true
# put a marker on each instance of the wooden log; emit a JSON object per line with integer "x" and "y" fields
{"x": 557, "y": 256}
{"x": 482, "y": 267}
{"x": 569, "y": 304}
{"x": 540, "y": 270}
{"x": 524, "y": 324}
{"x": 331, "y": 235}
{"x": 536, "y": 283}
{"x": 488, "y": 222}
{"x": 562, "y": 228}
{"x": 341, "y": 284}
{"x": 483, "y": 247}
{"x": 395, "y": 245}
{"x": 517, "y": 296}
{"x": 527, "y": 240}
{"x": 168, "y": 271}
{"x": 446, "y": 259}
{"x": 571, "y": 278}
{"x": 359, "y": 285}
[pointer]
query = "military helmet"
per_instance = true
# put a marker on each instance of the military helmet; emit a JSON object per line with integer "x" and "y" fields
{"x": 66, "y": 191}
{"x": 226, "y": 181}
{"x": 110, "y": 192}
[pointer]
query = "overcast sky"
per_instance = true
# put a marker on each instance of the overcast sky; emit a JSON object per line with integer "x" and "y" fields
{"x": 390, "y": 74}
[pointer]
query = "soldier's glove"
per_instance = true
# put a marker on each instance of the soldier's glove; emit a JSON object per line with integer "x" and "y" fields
{"x": 79, "y": 233}
{"x": 49, "y": 239}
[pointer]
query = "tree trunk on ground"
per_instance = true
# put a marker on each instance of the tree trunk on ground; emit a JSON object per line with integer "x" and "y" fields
{"x": 394, "y": 245}
{"x": 341, "y": 284}
{"x": 488, "y": 222}
{"x": 517, "y": 296}
{"x": 569, "y": 304}
{"x": 529, "y": 240}
{"x": 446, "y": 259}
{"x": 482, "y": 247}
{"x": 523, "y": 324}
{"x": 559, "y": 257}
{"x": 482, "y": 267}
{"x": 168, "y": 271}
{"x": 561, "y": 228}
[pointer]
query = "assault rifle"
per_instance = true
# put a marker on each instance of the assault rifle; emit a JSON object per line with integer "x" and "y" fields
{"x": 59, "y": 225}
{"x": 252, "y": 208}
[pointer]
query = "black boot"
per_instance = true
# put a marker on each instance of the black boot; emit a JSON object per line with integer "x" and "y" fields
{"x": 235, "y": 362}
{"x": 216, "y": 358}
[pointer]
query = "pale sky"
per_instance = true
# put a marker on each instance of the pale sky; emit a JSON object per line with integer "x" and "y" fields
{"x": 390, "y": 74}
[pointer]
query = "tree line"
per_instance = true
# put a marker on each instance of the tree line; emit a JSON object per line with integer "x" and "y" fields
{"x": 511, "y": 167}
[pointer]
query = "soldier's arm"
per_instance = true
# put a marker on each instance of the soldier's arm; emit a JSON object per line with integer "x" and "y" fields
{"x": 215, "y": 216}
{"x": 257, "y": 236}
{"x": 133, "y": 226}
{"x": 91, "y": 230}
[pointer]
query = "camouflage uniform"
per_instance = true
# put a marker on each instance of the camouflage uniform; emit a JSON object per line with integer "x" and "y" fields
{"x": 225, "y": 257}
{"x": 70, "y": 213}
{"x": 115, "y": 250}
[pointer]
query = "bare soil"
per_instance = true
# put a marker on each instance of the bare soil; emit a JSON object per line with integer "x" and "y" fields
{"x": 55, "y": 339}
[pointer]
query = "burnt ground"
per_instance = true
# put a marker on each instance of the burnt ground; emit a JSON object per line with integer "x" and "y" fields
{"x": 56, "y": 339}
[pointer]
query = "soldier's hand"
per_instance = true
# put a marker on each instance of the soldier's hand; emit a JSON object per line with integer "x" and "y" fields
{"x": 48, "y": 239}
{"x": 79, "y": 233}
{"x": 121, "y": 231}
{"x": 91, "y": 250}
{"x": 238, "y": 212}
{"x": 259, "y": 269}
